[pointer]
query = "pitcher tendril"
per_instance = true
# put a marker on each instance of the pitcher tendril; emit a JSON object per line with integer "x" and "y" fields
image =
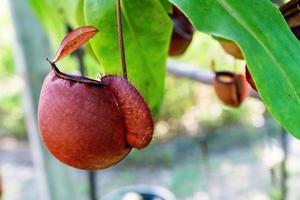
{"x": 121, "y": 40}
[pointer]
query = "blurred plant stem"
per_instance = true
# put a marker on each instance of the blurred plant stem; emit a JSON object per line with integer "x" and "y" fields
{"x": 283, "y": 169}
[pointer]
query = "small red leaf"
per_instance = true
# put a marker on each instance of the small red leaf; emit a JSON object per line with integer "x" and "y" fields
{"x": 74, "y": 40}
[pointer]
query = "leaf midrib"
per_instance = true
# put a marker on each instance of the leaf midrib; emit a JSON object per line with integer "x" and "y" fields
{"x": 232, "y": 13}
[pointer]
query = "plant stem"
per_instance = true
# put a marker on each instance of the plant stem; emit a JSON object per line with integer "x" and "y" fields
{"x": 121, "y": 40}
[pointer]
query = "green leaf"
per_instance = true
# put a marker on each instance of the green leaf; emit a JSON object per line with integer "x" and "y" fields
{"x": 55, "y": 15}
{"x": 80, "y": 13}
{"x": 50, "y": 19}
{"x": 147, "y": 31}
{"x": 67, "y": 9}
{"x": 271, "y": 50}
{"x": 167, "y": 5}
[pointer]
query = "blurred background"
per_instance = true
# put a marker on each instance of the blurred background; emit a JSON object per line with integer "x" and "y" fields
{"x": 201, "y": 149}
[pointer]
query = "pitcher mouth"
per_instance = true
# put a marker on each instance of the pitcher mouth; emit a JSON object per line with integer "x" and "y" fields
{"x": 225, "y": 77}
{"x": 183, "y": 29}
{"x": 75, "y": 78}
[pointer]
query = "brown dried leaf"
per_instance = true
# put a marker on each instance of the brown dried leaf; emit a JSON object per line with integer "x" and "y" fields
{"x": 74, "y": 40}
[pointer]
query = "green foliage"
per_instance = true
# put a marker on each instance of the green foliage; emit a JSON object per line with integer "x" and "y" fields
{"x": 6, "y": 65}
{"x": 11, "y": 116}
{"x": 147, "y": 31}
{"x": 50, "y": 19}
{"x": 273, "y": 61}
{"x": 11, "y": 112}
{"x": 67, "y": 9}
{"x": 167, "y": 5}
{"x": 56, "y": 14}
{"x": 80, "y": 13}
{"x": 178, "y": 97}
{"x": 146, "y": 38}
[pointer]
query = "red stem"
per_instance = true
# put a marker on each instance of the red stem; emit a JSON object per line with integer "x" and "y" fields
{"x": 121, "y": 40}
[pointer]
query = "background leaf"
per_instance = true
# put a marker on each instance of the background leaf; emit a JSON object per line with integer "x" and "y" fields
{"x": 50, "y": 19}
{"x": 56, "y": 15}
{"x": 167, "y": 5}
{"x": 67, "y": 9}
{"x": 147, "y": 31}
{"x": 80, "y": 13}
{"x": 273, "y": 61}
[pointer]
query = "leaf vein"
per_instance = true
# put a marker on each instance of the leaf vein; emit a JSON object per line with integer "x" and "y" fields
{"x": 232, "y": 12}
